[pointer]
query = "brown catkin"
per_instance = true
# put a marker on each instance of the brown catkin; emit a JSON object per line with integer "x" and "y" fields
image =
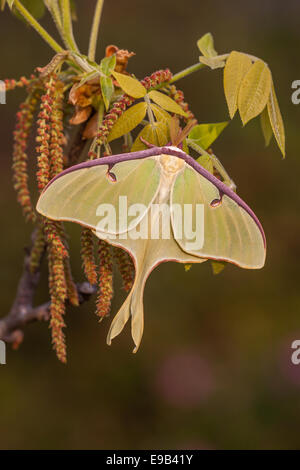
{"x": 126, "y": 267}
{"x": 23, "y": 82}
{"x": 38, "y": 248}
{"x": 58, "y": 293}
{"x": 57, "y": 312}
{"x": 25, "y": 117}
{"x": 105, "y": 293}
{"x": 50, "y": 163}
{"x": 43, "y": 131}
{"x": 157, "y": 78}
{"x": 88, "y": 256}
{"x": 56, "y": 153}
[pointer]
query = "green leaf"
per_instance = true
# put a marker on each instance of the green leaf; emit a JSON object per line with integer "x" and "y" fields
{"x": 254, "y": 91}
{"x": 206, "y": 162}
{"x": 35, "y": 7}
{"x": 206, "y": 45}
{"x": 266, "y": 126}
{"x": 166, "y": 102}
{"x": 217, "y": 266}
{"x": 108, "y": 64}
{"x": 155, "y": 134}
{"x": 276, "y": 120}
{"x": 159, "y": 113}
{"x": 128, "y": 121}
{"x": 205, "y": 134}
{"x": 130, "y": 85}
{"x": 212, "y": 62}
{"x": 237, "y": 65}
{"x": 107, "y": 89}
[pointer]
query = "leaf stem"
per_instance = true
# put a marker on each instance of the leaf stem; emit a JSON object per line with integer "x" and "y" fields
{"x": 67, "y": 25}
{"x": 36, "y": 25}
{"x": 186, "y": 72}
{"x": 95, "y": 30}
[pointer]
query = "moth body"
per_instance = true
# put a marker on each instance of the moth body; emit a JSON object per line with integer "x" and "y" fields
{"x": 170, "y": 167}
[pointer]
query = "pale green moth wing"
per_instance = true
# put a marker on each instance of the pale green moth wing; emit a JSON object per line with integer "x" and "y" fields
{"x": 83, "y": 194}
{"x": 147, "y": 253}
{"x": 151, "y": 179}
{"x": 225, "y": 231}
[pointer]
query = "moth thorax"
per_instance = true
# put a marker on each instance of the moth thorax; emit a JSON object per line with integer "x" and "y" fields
{"x": 171, "y": 164}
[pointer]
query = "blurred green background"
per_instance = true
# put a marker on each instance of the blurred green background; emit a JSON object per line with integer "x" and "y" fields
{"x": 214, "y": 368}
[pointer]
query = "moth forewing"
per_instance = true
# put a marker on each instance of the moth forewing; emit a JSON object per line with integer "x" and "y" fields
{"x": 89, "y": 197}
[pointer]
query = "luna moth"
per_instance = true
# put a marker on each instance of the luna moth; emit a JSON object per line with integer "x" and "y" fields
{"x": 150, "y": 178}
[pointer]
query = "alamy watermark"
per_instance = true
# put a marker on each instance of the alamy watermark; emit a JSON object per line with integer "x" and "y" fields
{"x": 2, "y": 92}
{"x": 2, "y": 352}
{"x": 296, "y": 94}
{"x": 295, "y": 357}
{"x": 160, "y": 221}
